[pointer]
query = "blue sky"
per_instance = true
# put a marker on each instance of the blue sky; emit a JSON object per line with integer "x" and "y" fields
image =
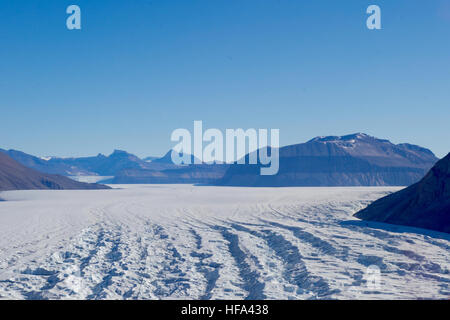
{"x": 139, "y": 69}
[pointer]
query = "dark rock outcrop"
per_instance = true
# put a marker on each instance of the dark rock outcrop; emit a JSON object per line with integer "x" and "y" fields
{"x": 425, "y": 204}
{"x": 14, "y": 176}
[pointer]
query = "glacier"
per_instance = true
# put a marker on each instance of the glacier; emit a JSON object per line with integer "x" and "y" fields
{"x": 205, "y": 242}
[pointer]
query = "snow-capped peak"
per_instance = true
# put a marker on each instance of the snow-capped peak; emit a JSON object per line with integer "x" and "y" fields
{"x": 350, "y": 138}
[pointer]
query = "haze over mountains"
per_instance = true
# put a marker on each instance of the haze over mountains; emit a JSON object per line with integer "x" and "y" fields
{"x": 351, "y": 160}
{"x": 425, "y": 204}
{"x": 14, "y": 176}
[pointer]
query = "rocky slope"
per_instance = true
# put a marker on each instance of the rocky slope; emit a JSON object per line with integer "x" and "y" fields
{"x": 14, "y": 176}
{"x": 425, "y": 204}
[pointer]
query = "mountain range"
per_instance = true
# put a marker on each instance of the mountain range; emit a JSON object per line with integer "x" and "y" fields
{"x": 98, "y": 165}
{"x": 14, "y": 176}
{"x": 351, "y": 160}
{"x": 162, "y": 170}
{"x": 425, "y": 204}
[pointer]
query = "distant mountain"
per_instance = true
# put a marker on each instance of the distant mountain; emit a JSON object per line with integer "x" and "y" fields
{"x": 99, "y": 165}
{"x": 14, "y": 176}
{"x": 425, "y": 204}
{"x": 164, "y": 171}
{"x": 351, "y": 160}
{"x": 42, "y": 165}
{"x": 103, "y": 165}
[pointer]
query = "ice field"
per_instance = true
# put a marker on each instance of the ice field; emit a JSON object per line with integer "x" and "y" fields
{"x": 198, "y": 242}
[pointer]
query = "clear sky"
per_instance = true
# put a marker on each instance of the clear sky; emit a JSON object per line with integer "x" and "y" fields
{"x": 138, "y": 69}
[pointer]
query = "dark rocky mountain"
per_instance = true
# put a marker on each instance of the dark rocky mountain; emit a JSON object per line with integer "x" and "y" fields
{"x": 351, "y": 160}
{"x": 14, "y": 176}
{"x": 425, "y": 204}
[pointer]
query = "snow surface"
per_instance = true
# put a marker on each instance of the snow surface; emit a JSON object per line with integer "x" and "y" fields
{"x": 195, "y": 242}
